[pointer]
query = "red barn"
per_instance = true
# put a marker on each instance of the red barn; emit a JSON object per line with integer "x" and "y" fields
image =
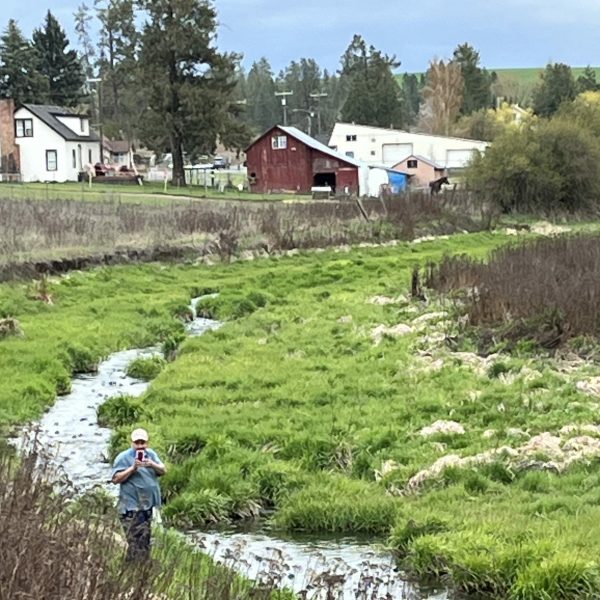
{"x": 287, "y": 159}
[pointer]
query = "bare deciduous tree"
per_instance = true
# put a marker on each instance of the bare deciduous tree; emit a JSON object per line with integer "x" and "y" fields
{"x": 442, "y": 98}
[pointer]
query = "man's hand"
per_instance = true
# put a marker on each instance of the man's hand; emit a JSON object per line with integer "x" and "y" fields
{"x": 159, "y": 468}
{"x": 138, "y": 463}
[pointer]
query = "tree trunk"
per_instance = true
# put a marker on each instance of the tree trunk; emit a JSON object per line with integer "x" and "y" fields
{"x": 177, "y": 155}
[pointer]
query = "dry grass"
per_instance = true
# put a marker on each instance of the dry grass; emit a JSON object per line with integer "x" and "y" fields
{"x": 547, "y": 290}
{"x": 53, "y": 229}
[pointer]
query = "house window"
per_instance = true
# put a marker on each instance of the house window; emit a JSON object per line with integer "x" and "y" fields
{"x": 350, "y": 154}
{"x": 412, "y": 164}
{"x": 351, "y": 137}
{"x": 51, "y": 160}
{"x": 279, "y": 142}
{"x": 24, "y": 127}
{"x": 90, "y": 156}
{"x": 82, "y": 124}
{"x": 74, "y": 159}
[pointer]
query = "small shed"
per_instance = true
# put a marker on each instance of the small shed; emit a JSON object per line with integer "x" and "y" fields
{"x": 285, "y": 159}
{"x": 422, "y": 169}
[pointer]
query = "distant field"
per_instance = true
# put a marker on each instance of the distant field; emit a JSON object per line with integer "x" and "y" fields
{"x": 525, "y": 77}
{"x": 531, "y": 76}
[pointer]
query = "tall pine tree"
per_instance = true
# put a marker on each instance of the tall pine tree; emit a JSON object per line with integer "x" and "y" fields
{"x": 188, "y": 81}
{"x": 373, "y": 95}
{"x": 262, "y": 109}
{"x": 477, "y": 86}
{"x": 19, "y": 75}
{"x": 61, "y": 67}
{"x": 556, "y": 86}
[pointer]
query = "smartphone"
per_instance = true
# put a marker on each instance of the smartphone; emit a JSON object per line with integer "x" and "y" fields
{"x": 139, "y": 454}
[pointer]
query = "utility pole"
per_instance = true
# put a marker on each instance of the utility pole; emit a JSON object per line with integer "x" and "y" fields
{"x": 284, "y": 104}
{"x": 316, "y": 96}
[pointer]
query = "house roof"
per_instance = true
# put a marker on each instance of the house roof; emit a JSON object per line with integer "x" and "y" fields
{"x": 422, "y": 159}
{"x": 48, "y": 114}
{"x": 311, "y": 143}
{"x": 117, "y": 146}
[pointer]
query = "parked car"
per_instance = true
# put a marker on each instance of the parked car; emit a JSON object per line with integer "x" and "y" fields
{"x": 220, "y": 163}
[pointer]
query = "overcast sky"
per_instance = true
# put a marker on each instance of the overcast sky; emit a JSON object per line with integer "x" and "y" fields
{"x": 510, "y": 33}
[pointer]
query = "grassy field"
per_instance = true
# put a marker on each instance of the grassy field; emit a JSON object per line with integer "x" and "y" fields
{"x": 525, "y": 76}
{"x": 314, "y": 399}
{"x": 149, "y": 193}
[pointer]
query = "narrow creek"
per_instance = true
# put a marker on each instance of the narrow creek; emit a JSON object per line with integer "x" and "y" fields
{"x": 79, "y": 445}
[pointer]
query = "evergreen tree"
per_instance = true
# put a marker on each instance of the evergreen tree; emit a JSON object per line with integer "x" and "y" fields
{"x": 189, "y": 83}
{"x": 411, "y": 98}
{"x": 556, "y": 86}
{"x": 477, "y": 90}
{"x": 60, "y": 66}
{"x": 19, "y": 76}
{"x": 586, "y": 82}
{"x": 262, "y": 108}
{"x": 373, "y": 95}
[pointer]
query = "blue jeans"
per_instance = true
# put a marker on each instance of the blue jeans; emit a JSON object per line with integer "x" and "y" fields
{"x": 137, "y": 525}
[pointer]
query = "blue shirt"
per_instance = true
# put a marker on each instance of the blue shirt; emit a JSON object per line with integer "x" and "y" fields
{"x": 141, "y": 490}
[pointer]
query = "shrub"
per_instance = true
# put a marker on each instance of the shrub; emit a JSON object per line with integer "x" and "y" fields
{"x": 554, "y": 167}
{"x": 146, "y": 368}
{"x": 80, "y": 359}
{"x": 120, "y": 411}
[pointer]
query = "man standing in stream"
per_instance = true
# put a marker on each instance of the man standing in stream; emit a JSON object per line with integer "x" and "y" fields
{"x": 137, "y": 470}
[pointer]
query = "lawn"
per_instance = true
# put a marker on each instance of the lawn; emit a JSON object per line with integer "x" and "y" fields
{"x": 150, "y": 193}
{"x": 295, "y": 408}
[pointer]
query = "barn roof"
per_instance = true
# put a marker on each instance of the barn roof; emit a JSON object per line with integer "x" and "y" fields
{"x": 316, "y": 145}
{"x": 311, "y": 142}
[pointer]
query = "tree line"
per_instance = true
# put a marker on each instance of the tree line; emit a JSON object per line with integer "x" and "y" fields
{"x": 150, "y": 70}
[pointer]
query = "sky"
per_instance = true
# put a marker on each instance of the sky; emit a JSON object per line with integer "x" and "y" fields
{"x": 507, "y": 34}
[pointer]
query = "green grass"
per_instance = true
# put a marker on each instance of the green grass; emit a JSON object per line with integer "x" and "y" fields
{"x": 292, "y": 408}
{"x": 149, "y": 193}
{"x": 525, "y": 76}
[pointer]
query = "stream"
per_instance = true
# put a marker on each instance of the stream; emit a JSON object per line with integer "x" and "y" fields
{"x": 79, "y": 446}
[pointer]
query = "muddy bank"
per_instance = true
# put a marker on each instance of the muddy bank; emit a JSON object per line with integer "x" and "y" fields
{"x": 34, "y": 269}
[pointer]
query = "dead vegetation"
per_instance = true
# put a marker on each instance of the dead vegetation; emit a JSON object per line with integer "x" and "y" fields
{"x": 57, "y": 229}
{"x": 546, "y": 290}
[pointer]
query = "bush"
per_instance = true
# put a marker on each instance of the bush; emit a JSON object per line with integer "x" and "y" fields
{"x": 553, "y": 167}
{"x": 146, "y": 369}
{"x": 80, "y": 359}
{"x": 120, "y": 411}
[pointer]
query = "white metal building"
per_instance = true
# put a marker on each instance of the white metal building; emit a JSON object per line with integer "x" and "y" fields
{"x": 55, "y": 143}
{"x": 376, "y": 145}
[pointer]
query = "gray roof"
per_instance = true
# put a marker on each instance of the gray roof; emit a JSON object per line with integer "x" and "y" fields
{"x": 48, "y": 113}
{"x": 316, "y": 145}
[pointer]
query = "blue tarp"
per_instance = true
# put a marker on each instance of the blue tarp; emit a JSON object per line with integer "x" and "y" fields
{"x": 398, "y": 181}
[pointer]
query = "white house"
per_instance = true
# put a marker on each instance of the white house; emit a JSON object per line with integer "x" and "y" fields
{"x": 55, "y": 143}
{"x": 376, "y": 145}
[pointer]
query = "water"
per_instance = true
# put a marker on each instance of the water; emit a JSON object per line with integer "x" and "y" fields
{"x": 79, "y": 446}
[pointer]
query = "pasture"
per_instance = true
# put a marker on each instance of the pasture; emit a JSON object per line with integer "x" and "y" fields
{"x": 331, "y": 401}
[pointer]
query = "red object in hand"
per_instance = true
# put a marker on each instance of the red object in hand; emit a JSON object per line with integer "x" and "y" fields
{"x": 140, "y": 455}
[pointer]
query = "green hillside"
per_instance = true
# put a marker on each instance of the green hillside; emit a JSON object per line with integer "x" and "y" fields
{"x": 525, "y": 77}
{"x": 531, "y": 76}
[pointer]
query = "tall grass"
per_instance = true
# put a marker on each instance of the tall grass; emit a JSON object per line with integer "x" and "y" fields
{"x": 547, "y": 290}
{"x": 50, "y": 229}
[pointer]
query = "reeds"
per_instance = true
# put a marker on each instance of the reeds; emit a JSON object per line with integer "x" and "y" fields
{"x": 546, "y": 290}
